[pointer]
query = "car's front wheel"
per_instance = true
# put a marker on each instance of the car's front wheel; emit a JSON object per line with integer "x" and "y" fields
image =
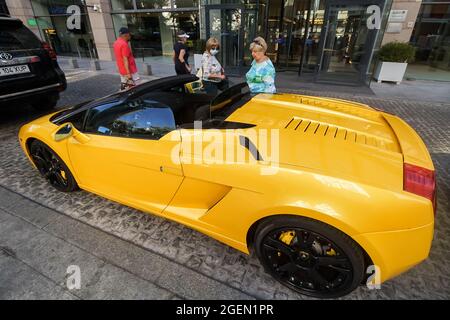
{"x": 309, "y": 256}
{"x": 52, "y": 167}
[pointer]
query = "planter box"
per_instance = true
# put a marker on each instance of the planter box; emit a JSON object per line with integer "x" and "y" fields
{"x": 390, "y": 71}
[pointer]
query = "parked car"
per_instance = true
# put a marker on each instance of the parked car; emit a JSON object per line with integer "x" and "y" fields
{"x": 344, "y": 191}
{"x": 29, "y": 71}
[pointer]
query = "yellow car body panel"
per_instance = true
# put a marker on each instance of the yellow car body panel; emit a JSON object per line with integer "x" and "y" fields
{"x": 339, "y": 162}
{"x": 137, "y": 174}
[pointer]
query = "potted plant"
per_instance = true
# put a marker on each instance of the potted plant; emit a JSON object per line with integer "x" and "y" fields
{"x": 393, "y": 58}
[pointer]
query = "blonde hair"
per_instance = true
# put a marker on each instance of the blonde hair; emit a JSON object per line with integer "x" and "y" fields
{"x": 212, "y": 42}
{"x": 258, "y": 44}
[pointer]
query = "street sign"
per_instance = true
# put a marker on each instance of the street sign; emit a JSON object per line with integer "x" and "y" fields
{"x": 398, "y": 15}
{"x": 394, "y": 27}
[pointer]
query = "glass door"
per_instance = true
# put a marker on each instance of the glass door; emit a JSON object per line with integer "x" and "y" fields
{"x": 290, "y": 40}
{"x": 346, "y": 44}
{"x": 234, "y": 27}
{"x": 293, "y": 33}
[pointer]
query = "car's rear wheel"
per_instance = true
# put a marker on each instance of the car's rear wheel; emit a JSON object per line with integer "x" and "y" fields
{"x": 309, "y": 256}
{"x": 47, "y": 102}
{"x": 51, "y": 167}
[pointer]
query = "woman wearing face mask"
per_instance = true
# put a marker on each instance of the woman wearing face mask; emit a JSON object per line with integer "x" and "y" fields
{"x": 212, "y": 72}
{"x": 261, "y": 76}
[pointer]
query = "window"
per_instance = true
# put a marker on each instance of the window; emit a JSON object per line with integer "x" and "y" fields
{"x": 122, "y": 4}
{"x": 51, "y": 18}
{"x": 153, "y": 33}
{"x": 153, "y": 4}
{"x": 77, "y": 120}
{"x": 17, "y": 38}
{"x": 185, "y": 3}
{"x": 139, "y": 118}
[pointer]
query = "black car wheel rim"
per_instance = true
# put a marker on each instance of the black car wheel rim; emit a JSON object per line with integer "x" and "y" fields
{"x": 50, "y": 167}
{"x": 306, "y": 261}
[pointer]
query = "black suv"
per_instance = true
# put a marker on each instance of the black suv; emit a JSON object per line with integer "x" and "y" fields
{"x": 28, "y": 68}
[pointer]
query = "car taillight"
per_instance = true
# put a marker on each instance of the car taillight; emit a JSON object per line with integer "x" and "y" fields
{"x": 420, "y": 181}
{"x": 50, "y": 50}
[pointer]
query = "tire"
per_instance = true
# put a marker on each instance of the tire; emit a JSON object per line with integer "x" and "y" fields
{"x": 46, "y": 102}
{"x": 313, "y": 258}
{"x": 52, "y": 167}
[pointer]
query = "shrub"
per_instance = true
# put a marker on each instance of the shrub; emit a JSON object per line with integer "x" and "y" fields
{"x": 396, "y": 52}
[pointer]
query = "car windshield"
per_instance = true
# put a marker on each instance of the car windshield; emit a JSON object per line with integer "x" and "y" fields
{"x": 230, "y": 100}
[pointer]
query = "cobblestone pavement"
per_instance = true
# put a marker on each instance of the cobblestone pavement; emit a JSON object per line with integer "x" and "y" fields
{"x": 429, "y": 280}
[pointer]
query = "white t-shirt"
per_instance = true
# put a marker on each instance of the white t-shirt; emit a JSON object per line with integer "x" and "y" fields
{"x": 210, "y": 65}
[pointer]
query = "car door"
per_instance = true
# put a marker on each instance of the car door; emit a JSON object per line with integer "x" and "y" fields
{"x": 131, "y": 154}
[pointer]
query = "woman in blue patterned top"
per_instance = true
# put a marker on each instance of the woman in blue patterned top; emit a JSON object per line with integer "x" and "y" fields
{"x": 261, "y": 76}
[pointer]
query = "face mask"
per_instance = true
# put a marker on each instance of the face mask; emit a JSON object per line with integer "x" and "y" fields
{"x": 214, "y": 52}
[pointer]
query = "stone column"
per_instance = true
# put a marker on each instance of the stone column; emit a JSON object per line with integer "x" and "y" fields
{"x": 102, "y": 28}
{"x": 413, "y": 7}
{"x": 166, "y": 35}
{"x": 22, "y": 9}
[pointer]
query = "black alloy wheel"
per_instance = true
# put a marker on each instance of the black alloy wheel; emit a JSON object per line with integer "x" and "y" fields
{"x": 51, "y": 167}
{"x": 309, "y": 256}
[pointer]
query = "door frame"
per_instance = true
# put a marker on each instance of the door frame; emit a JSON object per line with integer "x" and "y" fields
{"x": 372, "y": 37}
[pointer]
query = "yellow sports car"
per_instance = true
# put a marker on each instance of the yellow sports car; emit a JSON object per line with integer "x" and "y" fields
{"x": 329, "y": 194}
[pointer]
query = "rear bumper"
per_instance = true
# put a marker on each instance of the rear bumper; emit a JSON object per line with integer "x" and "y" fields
{"x": 56, "y": 87}
{"x": 394, "y": 252}
{"x": 40, "y": 85}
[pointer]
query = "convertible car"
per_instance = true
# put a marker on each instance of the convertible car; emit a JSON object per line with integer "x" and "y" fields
{"x": 332, "y": 195}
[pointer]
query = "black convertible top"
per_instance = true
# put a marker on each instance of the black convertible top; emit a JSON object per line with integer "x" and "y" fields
{"x": 124, "y": 96}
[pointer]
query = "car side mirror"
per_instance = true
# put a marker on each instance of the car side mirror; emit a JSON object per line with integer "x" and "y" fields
{"x": 67, "y": 130}
{"x": 64, "y": 131}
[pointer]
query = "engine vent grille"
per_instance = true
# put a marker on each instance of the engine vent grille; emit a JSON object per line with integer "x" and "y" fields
{"x": 304, "y": 126}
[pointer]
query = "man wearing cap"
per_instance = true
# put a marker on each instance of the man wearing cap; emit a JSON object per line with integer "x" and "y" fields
{"x": 181, "y": 54}
{"x": 125, "y": 60}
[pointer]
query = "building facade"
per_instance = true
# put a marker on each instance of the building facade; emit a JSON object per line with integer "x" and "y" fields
{"x": 321, "y": 40}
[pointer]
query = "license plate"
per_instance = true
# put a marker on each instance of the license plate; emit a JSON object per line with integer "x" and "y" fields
{"x": 6, "y": 71}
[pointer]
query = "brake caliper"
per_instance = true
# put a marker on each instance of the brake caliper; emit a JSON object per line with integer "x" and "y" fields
{"x": 330, "y": 252}
{"x": 287, "y": 237}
